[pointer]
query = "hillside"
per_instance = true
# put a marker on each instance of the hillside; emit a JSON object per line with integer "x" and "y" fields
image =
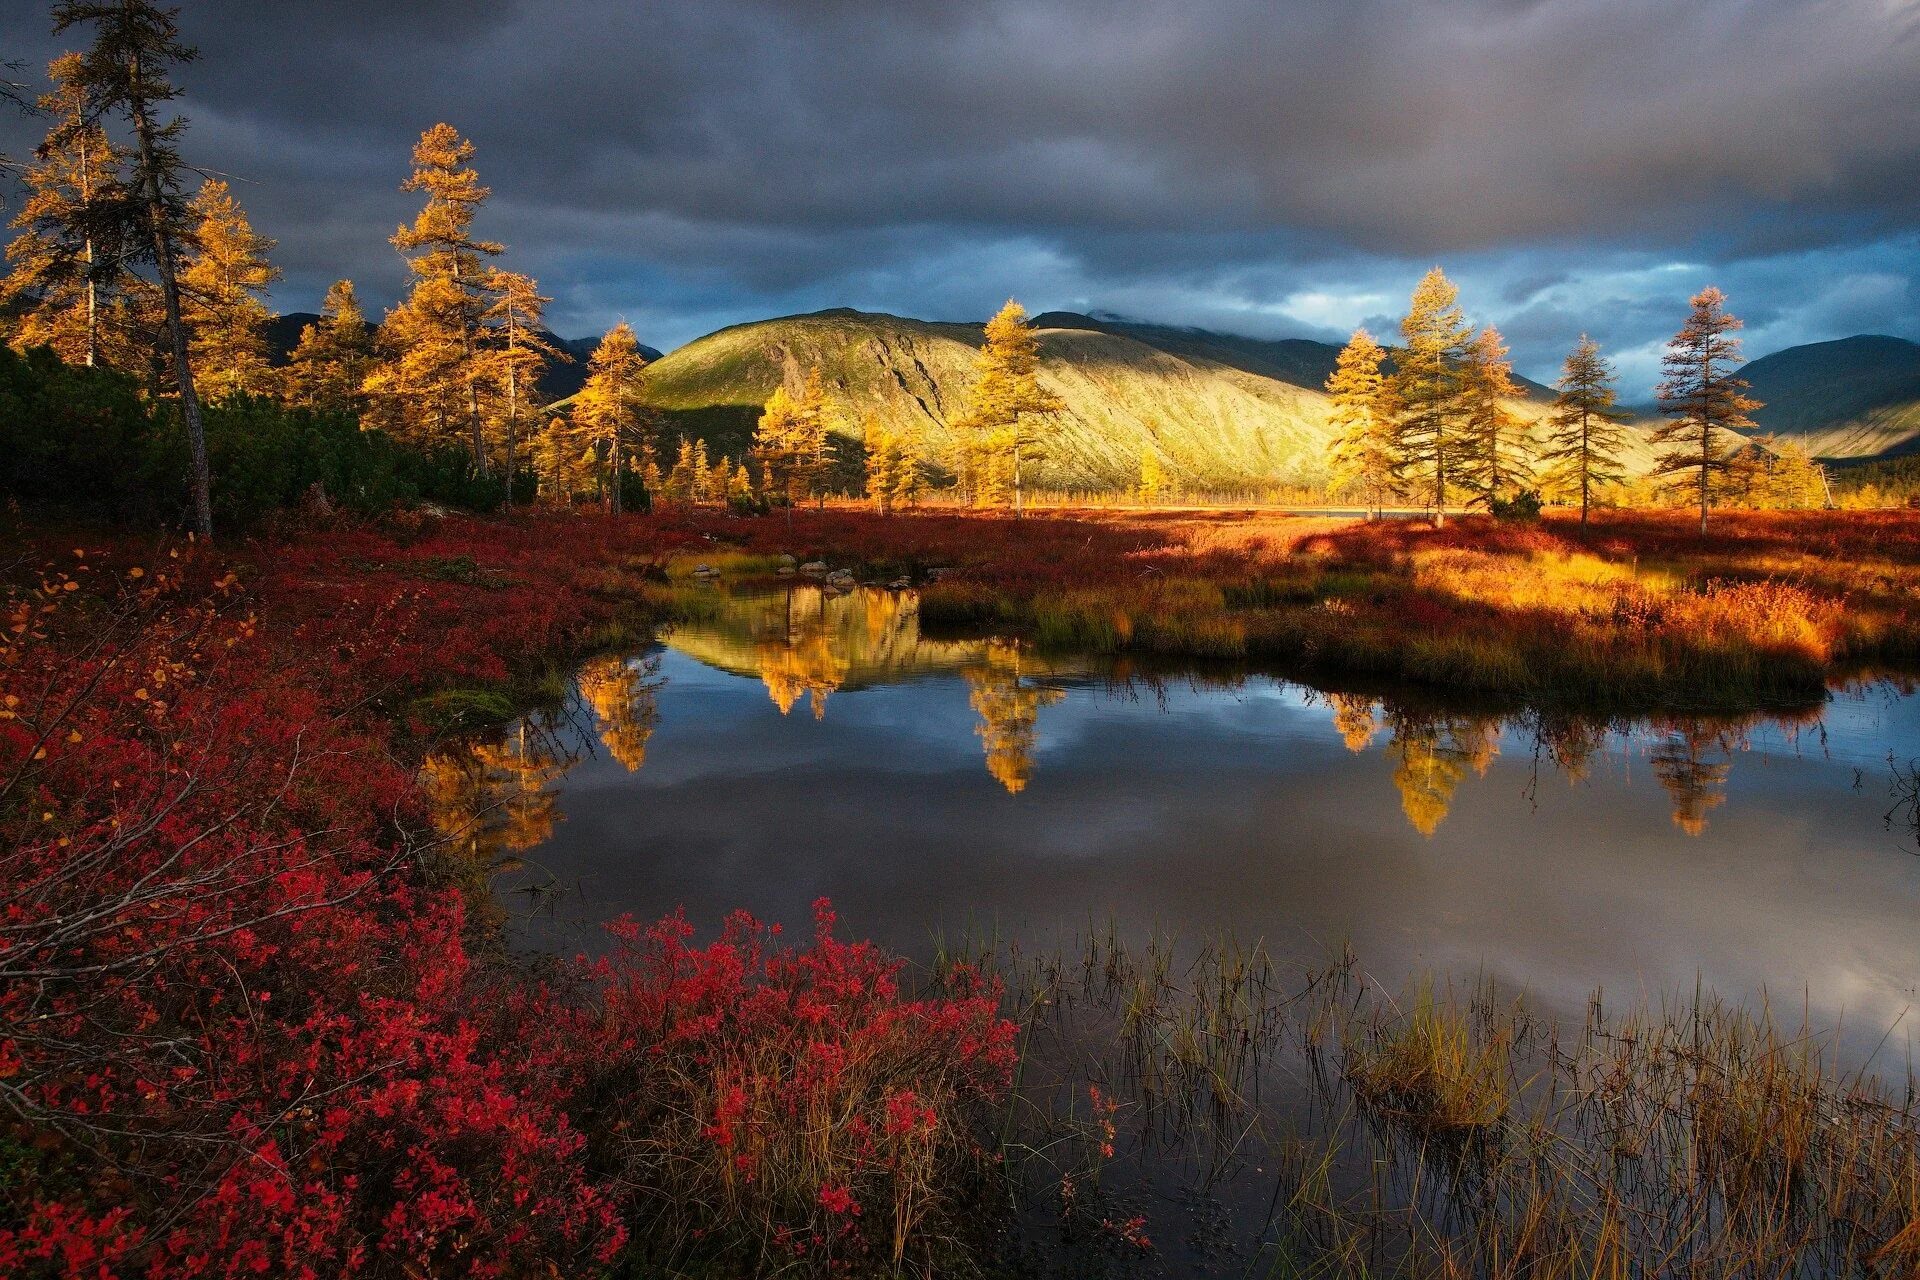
{"x": 1852, "y": 399}
{"x": 1219, "y": 411}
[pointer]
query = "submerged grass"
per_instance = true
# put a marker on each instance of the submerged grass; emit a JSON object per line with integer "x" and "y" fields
{"x": 1310, "y": 1123}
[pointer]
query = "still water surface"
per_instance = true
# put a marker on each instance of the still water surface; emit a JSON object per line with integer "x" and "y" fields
{"x": 803, "y": 743}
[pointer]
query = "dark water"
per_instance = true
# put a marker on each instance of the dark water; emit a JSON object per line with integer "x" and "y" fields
{"x": 803, "y": 744}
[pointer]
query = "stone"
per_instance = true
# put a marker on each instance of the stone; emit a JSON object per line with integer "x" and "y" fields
{"x": 814, "y": 568}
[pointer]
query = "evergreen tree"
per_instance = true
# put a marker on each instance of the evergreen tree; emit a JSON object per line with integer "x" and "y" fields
{"x": 1366, "y": 454}
{"x": 225, "y": 277}
{"x": 1428, "y": 390}
{"x": 613, "y": 419}
{"x": 1003, "y": 415}
{"x": 1585, "y": 435}
{"x": 334, "y": 356}
{"x": 125, "y": 73}
{"x": 516, "y": 353}
{"x": 68, "y": 281}
{"x": 432, "y": 373}
{"x": 1704, "y": 402}
{"x": 1494, "y": 454}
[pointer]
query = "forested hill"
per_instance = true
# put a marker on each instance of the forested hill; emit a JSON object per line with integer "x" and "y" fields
{"x": 1218, "y": 411}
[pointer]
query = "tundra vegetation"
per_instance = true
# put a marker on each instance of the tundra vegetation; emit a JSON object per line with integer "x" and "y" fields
{"x": 255, "y": 1017}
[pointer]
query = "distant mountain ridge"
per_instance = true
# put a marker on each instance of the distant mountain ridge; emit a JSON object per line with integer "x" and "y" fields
{"x": 1852, "y": 399}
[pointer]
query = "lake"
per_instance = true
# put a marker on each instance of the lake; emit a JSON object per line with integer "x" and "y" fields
{"x": 802, "y": 743}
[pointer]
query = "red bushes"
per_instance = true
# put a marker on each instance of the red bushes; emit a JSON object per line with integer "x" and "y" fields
{"x": 240, "y": 1029}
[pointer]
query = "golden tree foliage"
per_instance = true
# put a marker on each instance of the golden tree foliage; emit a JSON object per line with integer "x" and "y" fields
{"x": 624, "y": 697}
{"x": 1431, "y": 758}
{"x": 892, "y": 474}
{"x": 1354, "y": 719}
{"x": 334, "y": 355}
{"x": 1000, "y": 432}
{"x": 428, "y": 385}
{"x": 223, "y": 282}
{"x": 514, "y": 354}
{"x": 1428, "y": 390}
{"x": 1366, "y": 453}
{"x": 68, "y": 282}
{"x": 1009, "y": 709}
{"x": 790, "y": 442}
{"x": 1496, "y": 452}
{"x": 1692, "y": 763}
{"x": 610, "y": 418}
{"x": 1705, "y": 404}
{"x": 1585, "y": 435}
{"x": 1153, "y": 477}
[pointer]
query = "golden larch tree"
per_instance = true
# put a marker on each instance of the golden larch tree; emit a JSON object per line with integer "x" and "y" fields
{"x": 1427, "y": 388}
{"x": 515, "y": 355}
{"x": 331, "y": 361}
{"x": 1001, "y": 428}
{"x": 1496, "y": 451}
{"x": 1586, "y": 434}
{"x": 68, "y": 283}
{"x": 1366, "y": 452}
{"x": 610, "y": 410}
{"x": 224, "y": 284}
{"x": 1705, "y": 404}
{"x": 432, "y": 374}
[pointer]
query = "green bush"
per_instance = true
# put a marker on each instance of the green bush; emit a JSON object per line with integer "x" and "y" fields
{"x": 86, "y": 440}
{"x": 1522, "y": 506}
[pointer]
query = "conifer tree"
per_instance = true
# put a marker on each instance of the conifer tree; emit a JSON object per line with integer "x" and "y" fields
{"x": 1003, "y": 415}
{"x": 1366, "y": 455}
{"x": 777, "y": 447}
{"x": 68, "y": 280}
{"x": 516, "y": 354}
{"x": 225, "y": 277}
{"x": 334, "y": 355}
{"x": 1495, "y": 447}
{"x": 609, "y": 409}
{"x": 1428, "y": 390}
{"x": 1153, "y": 477}
{"x": 1705, "y": 404}
{"x": 1585, "y": 435}
{"x": 683, "y": 478}
{"x": 886, "y": 460}
{"x": 125, "y": 73}
{"x": 433, "y": 372}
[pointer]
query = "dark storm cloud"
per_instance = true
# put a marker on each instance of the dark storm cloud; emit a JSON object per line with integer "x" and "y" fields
{"x": 1273, "y": 166}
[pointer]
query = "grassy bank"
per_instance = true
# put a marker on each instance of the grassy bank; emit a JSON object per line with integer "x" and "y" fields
{"x": 1637, "y": 610}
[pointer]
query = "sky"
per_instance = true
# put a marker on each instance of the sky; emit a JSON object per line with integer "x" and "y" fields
{"x": 1253, "y": 166}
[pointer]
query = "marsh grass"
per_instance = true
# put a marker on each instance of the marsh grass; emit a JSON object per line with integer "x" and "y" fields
{"x": 1339, "y": 1129}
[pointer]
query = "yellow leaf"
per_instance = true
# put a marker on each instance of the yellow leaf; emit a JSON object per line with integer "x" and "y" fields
{"x": 140, "y": 694}
{"x": 136, "y": 572}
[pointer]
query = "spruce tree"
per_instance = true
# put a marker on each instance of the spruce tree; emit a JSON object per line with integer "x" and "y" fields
{"x": 223, "y": 281}
{"x": 1366, "y": 455}
{"x": 1705, "y": 404}
{"x": 125, "y": 73}
{"x": 1585, "y": 434}
{"x": 1428, "y": 388}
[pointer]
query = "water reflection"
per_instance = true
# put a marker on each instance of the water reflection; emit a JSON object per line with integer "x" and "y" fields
{"x": 807, "y": 642}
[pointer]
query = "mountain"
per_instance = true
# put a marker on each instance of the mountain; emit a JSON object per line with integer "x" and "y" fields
{"x": 560, "y": 381}
{"x": 1849, "y": 400}
{"x": 1220, "y": 411}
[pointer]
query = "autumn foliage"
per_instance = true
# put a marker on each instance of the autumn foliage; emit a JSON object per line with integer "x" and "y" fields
{"x": 247, "y": 1027}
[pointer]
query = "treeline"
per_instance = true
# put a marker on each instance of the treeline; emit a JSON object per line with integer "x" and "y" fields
{"x": 156, "y": 301}
{"x": 1431, "y": 420}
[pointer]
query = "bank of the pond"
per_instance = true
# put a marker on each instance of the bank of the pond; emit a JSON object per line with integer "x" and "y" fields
{"x": 248, "y": 1024}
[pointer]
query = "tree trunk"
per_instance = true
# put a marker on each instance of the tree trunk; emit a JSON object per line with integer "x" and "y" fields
{"x": 164, "y": 267}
